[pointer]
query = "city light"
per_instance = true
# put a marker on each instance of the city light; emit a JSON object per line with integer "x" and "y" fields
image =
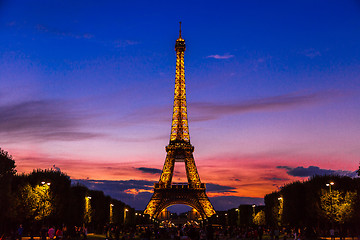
{"x": 329, "y": 185}
{"x": 45, "y": 183}
{"x": 111, "y": 213}
{"x": 87, "y": 213}
{"x": 125, "y": 211}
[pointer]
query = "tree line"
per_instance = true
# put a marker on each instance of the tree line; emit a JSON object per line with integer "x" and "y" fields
{"x": 47, "y": 198}
{"x": 319, "y": 204}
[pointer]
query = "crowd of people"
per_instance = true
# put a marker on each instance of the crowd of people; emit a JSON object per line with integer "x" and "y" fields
{"x": 185, "y": 232}
{"x": 52, "y": 232}
{"x": 209, "y": 232}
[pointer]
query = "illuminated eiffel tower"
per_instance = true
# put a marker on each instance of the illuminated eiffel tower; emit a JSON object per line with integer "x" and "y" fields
{"x": 179, "y": 149}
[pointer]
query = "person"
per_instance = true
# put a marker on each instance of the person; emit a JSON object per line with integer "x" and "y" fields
{"x": 65, "y": 232}
{"x": 202, "y": 234}
{"x": 210, "y": 232}
{"x": 260, "y": 232}
{"x": 332, "y": 233}
{"x": 117, "y": 233}
{"x": 276, "y": 233}
{"x": 84, "y": 232}
{"x": 51, "y": 233}
{"x": 59, "y": 234}
{"x": 148, "y": 233}
{"x": 31, "y": 233}
{"x": 43, "y": 233}
{"x": 20, "y": 231}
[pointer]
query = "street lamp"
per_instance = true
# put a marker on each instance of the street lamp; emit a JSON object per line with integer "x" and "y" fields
{"x": 331, "y": 206}
{"x": 45, "y": 183}
{"x": 44, "y": 198}
{"x": 226, "y": 219}
{"x": 253, "y": 215}
{"x": 281, "y": 205}
{"x": 126, "y": 210}
{"x": 329, "y": 185}
{"x": 111, "y": 212}
{"x": 238, "y": 216}
{"x": 87, "y": 215}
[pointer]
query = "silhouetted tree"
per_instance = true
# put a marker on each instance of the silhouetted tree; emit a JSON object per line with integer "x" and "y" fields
{"x": 7, "y": 172}
{"x": 272, "y": 209}
{"x": 47, "y": 197}
{"x": 7, "y": 164}
{"x": 308, "y": 204}
{"x": 76, "y": 207}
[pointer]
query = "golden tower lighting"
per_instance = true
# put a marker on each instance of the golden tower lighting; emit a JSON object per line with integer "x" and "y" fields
{"x": 179, "y": 150}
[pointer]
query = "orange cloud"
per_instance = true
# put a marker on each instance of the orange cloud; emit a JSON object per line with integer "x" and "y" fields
{"x": 137, "y": 191}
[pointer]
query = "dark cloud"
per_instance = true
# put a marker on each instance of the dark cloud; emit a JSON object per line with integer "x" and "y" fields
{"x": 43, "y": 120}
{"x": 216, "y": 188}
{"x": 276, "y": 179}
{"x": 137, "y": 193}
{"x": 205, "y": 111}
{"x": 149, "y": 170}
{"x": 138, "y": 198}
{"x": 314, "y": 170}
{"x": 208, "y": 111}
{"x": 110, "y": 185}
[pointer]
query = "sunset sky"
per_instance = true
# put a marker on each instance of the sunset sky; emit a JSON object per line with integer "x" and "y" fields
{"x": 273, "y": 91}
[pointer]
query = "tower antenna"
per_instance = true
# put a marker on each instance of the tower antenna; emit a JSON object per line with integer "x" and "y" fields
{"x": 180, "y": 30}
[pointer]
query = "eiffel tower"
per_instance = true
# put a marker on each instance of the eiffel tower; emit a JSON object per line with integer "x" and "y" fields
{"x": 179, "y": 149}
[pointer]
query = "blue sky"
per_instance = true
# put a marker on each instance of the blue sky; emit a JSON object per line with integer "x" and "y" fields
{"x": 271, "y": 86}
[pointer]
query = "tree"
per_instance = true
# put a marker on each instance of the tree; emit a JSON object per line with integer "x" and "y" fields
{"x": 33, "y": 203}
{"x": 7, "y": 164}
{"x": 59, "y": 189}
{"x": 259, "y": 218}
{"x": 337, "y": 205}
{"x": 7, "y": 172}
{"x": 272, "y": 209}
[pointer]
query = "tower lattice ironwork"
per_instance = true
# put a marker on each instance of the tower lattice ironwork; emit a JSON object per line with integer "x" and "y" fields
{"x": 179, "y": 149}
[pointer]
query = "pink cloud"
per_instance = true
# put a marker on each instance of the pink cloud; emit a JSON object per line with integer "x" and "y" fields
{"x": 216, "y": 56}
